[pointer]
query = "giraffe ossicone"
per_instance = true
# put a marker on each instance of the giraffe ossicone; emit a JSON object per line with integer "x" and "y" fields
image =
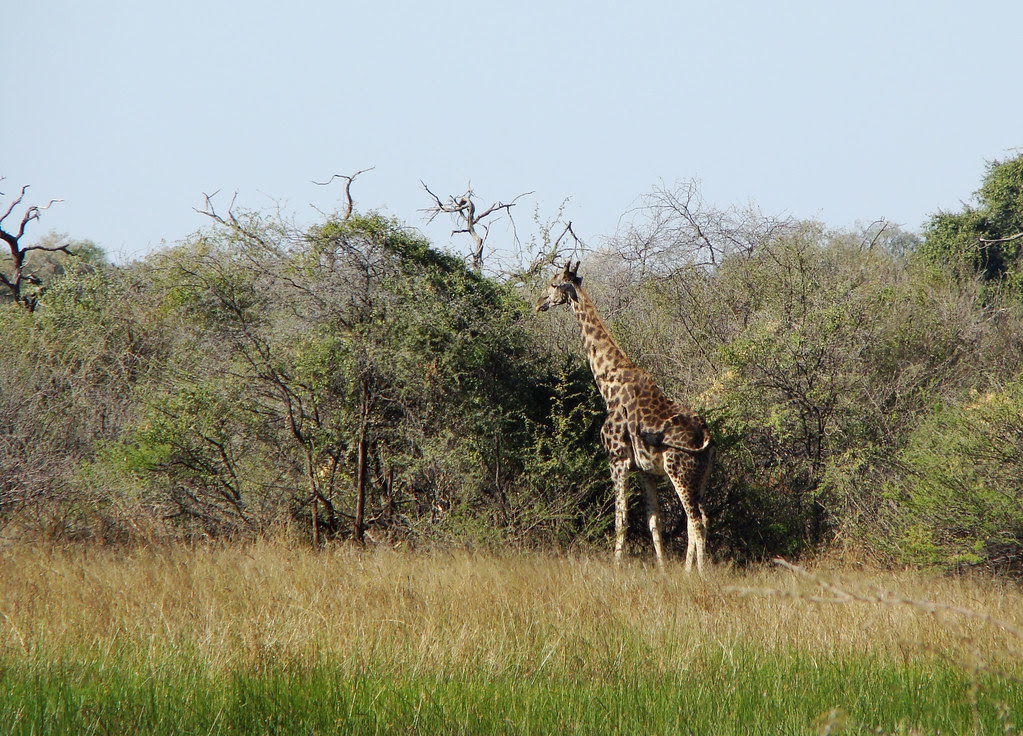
{"x": 645, "y": 431}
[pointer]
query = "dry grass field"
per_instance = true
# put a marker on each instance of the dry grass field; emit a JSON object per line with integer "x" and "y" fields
{"x": 276, "y": 638}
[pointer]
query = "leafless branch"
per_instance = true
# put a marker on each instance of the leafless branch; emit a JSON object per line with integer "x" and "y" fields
{"x": 20, "y": 275}
{"x": 210, "y": 211}
{"x": 568, "y": 231}
{"x": 232, "y": 222}
{"x": 672, "y": 229}
{"x": 463, "y": 209}
{"x": 63, "y": 248}
{"x": 553, "y": 254}
{"x": 349, "y": 179}
{"x": 1008, "y": 239}
{"x": 884, "y": 224}
{"x": 14, "y": 204}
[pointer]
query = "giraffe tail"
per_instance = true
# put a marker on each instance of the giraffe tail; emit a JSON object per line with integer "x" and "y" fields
{"x": 685, "y": 447}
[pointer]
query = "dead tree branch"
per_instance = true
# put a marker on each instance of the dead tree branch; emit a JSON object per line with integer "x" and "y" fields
{"x": 20, "y": 274}
{"x": 232, "y": 222}
{"x": 838, "y": 594}
{"x": 463, "y": 209}
{"x": 553, "y": 254}
{"x": 349, "y": 179}
{"x": 881, "y": 225}
{"x": 1007, "y": 239}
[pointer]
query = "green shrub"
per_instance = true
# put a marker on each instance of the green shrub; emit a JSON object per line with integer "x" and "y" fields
{"x": 961, "y": 491}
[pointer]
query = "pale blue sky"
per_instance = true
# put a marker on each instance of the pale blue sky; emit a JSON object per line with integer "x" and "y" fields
{"x": 845, "y": 112}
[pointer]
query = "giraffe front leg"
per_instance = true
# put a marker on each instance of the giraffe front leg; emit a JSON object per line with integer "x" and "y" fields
{"x": 701, "y": 475}
{"x": 620, "y": 478}
{"x": 653, "y": 511}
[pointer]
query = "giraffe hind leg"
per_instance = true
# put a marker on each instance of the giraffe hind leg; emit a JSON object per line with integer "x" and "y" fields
{"x": 704, "y": 465}
{"x": 653, "y": 512}
{"x": 683, "y": 472}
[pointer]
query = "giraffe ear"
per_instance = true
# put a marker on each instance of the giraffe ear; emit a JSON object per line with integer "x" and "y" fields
{"x": 573, "y": 273}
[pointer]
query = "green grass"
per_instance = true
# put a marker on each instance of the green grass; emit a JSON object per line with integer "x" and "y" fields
{"x": 272, "y": 638}
{"x": 739, "y": 692}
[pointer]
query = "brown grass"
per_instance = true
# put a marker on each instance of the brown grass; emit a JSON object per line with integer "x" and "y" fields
{"x": 478, "y": 613}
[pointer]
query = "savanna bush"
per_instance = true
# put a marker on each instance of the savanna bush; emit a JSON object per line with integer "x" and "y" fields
{"x": 67, "y": 378}
{"x": 960, "y": 489}
{"x": 815, "y": 355}
{"x": 350, "y": 379}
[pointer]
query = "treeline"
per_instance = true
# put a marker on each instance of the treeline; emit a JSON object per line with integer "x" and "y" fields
{"x": 350, "y": 381}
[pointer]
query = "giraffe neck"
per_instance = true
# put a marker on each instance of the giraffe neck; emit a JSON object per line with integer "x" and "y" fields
{"x": 607, "y": 360}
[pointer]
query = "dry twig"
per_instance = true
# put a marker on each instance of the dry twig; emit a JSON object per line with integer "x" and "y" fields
{"x": 837, "y": 594}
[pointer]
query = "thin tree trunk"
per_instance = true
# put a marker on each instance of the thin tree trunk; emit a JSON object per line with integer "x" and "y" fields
{"x": 360, "y": 483}
{"x": 316, "y": 521}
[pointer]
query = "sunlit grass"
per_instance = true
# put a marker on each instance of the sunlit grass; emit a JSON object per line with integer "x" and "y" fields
{"x": 274, "y": 638}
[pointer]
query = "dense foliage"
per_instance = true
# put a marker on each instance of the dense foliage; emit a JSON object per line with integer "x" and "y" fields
{"x": 986, "y": 238}
{"x": 348, "y": 380}
{"x": 351, "y": 380}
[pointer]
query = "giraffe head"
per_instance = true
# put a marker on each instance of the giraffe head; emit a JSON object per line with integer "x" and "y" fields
{"x": 561, "y": 289}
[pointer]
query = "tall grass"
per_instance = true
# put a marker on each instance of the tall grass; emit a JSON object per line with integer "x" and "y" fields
{"x": 270, "y": 638}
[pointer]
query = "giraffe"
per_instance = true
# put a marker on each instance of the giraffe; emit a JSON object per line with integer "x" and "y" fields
{"x": 644, "y": 431}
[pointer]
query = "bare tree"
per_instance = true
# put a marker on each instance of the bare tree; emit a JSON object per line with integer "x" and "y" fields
{"x": 463, "y": 209}
{"x": 674, "y": 229}
{"x": 20, "y": 275}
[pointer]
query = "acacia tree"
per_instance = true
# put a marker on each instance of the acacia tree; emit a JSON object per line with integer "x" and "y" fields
{"x": 20, "y": 274}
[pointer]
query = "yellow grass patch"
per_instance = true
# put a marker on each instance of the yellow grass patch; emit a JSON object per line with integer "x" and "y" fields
{"x": 468, "y": 613}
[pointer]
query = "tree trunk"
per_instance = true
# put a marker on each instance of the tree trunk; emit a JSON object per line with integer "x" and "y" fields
{"x": 316, "y": 521}
{"x": 360, "y": 471}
